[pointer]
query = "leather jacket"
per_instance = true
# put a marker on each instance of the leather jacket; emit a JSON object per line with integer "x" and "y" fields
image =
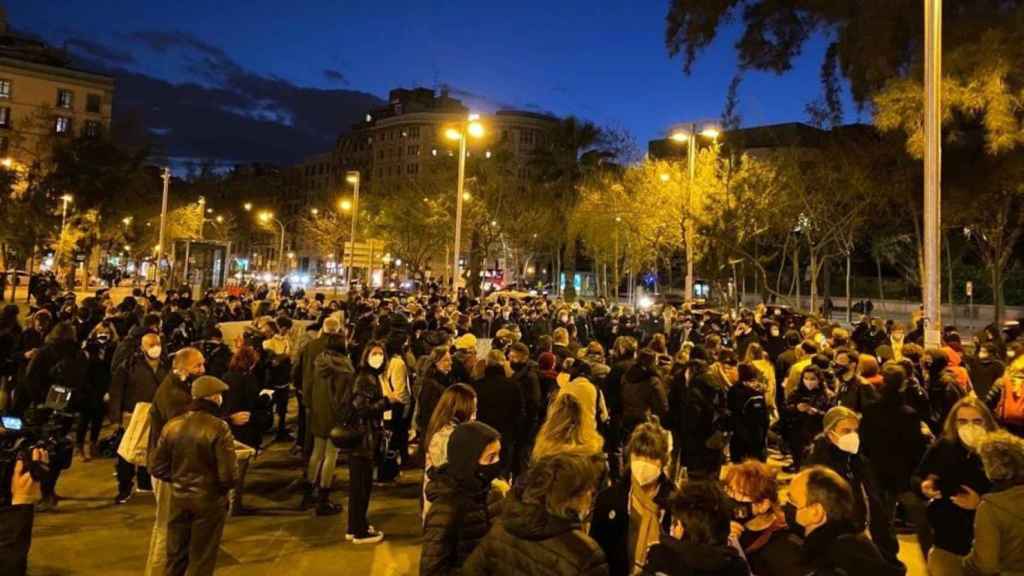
{"x": 196, "y": 454}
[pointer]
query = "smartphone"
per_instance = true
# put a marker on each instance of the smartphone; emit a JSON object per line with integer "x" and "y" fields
{"x": 11, "y": 422}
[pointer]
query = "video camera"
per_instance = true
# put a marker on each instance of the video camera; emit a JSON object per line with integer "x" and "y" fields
{"x": 44, "y": 427}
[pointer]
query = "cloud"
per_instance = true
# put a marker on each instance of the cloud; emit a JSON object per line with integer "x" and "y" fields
{"x": 220, "y": 109}
{"x": 99, "y": 51}
{"x": 335, "y": 75}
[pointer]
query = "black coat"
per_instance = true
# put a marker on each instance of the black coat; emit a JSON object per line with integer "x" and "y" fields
{"x": 610, "y": 524}
{"x": 54, "y": 363}
{"x": 984, "y": 373}
{"x": 432, "y": 386}
{"x": 369, "y": 404}
{"x": 891, "y": 438}
{"x": 704, "y": 414}
{"x": 840, "y": 549}
{"x": 456, "y": 522}
{"x": 748, "y": 412}
{"x": 954, "y": 465}
{"x": 499, "y": 403}
{"x": 135, "y": 381}
{"x": 527, "y": 380}
{"x": 528, "y": 541}
{"x": 15, "y": 538}
{"x": 243, "y": 395}
{"x": 685, "y": 558}
{"x": 642, "y": 394}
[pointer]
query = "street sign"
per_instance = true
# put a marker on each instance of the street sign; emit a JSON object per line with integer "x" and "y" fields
{"x": 364, "y": 253}
{"x": 969, "y": 288}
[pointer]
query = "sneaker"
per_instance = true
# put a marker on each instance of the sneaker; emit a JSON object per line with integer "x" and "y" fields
{"x": 371, "y": 537}
{"x": 350, "y": 536}
{"x": 123, "y": 497}
{"x": 141, "y": 490}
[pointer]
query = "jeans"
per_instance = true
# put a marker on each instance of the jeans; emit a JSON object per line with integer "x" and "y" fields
{"x": 322, "y": 462}
{"x": 194, "y": 531}
{"x": 360, "y": 470}
{"x": 157, "y": 560}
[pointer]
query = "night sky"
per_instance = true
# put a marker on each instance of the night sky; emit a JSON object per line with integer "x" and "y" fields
{"x": 601, "y": 60}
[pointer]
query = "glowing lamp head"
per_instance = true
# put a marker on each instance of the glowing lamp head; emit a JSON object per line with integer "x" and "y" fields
{"x": 664, "y": 177}
{"x": 452, "y": 134}
{"x": 345, "y": 205}
{"x": 220, "y": 219}
{"x": 712, "y": 133}
{"x": 67, "y": 198}
{"x": 352, "y": 177}
{"x": 680, "y": 137}
{"x": 247, "y": 206}
{"x": 476, "y": 129}
{"x": 7, "y": 162}
{"x": 265, "y": 216}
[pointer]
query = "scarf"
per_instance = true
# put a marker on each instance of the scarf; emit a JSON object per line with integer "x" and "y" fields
{"x": 645, "y": 516}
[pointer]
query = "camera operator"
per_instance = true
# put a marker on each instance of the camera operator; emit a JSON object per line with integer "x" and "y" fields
{"x": 17, "y": 517}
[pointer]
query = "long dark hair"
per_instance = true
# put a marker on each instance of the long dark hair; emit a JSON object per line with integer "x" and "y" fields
{"x": 457, "y": 403}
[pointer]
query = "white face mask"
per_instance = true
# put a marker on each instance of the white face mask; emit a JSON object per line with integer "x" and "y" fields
{"x": 849, "y": 443}
{"x": 376, "y": 361}
{"x": 153, "y": 352}
{"x": 644, "y": 472}
{"x": 971, "y": 435}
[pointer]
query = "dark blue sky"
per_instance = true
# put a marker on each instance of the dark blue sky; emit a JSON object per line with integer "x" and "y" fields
{"x": 602, "y": 60}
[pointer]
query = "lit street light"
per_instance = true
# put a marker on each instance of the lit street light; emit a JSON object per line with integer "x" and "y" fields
{"x": 472, "y": 127}
{"x": 345, "y": 205}
{"x": 268, "y": 217}
{"x": 247, "y": 206}
{"x": 689, "y": 137}
{"x": 932, "y": 172}
{"x": 352, "y": 177}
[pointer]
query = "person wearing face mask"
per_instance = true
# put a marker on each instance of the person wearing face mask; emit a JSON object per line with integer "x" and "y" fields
{"x": 985, "y": 368}
{"x": 171, "y": 400}
{"x": 135, "y": 381}
{"x": 805, "y": 411}
{"x": 698, "y": 542}
{"x": 854, "y": 391}
{"x": 952, "y": 477}
{"x": 195, "y": 457}
{"x": 771, "y": 546}
{"x": 99, "y": 349}
{"x": 834, "y": 543}
{"x": 541, "y": 529}
{"x": 629, "y": 515}
{"x": 463, "y": 503}
{"x": 838, "y": 448}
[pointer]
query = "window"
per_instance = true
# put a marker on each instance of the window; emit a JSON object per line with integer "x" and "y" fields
{"x": 93, "y": 102}
{"x": 412, "y": 169}
{"x": 5, "y": 145}
{"x": 526, "y": 137}
{"x": 64, "y": 98}
{"x": 380, "y": 154}
{"x": 92, "y": 129}
{"x": 5, "y": 88}
{"x": 63, "y": 125}
{"x": 413, "y": 150}
{"x": 414, "y": 132}
{"x": 5, "y": 117}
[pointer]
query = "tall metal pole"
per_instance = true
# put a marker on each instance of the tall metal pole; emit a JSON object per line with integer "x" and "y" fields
{"x": 456, "y": 273}
{"x": 280, "y": 253}
{"x": 163, "y": 224}
{"x": 355, "y": 216}
{"x": 932, "y": 172}
{"x": 691, "y": 160}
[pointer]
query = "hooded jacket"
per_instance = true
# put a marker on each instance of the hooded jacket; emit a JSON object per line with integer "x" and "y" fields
{"x": 998, "y": 534}
{"x": 527, "y": 540}
{"x": 642, "y": 394}
{"x": 333, "y": 376}
{"x": 674, "y": 557}
{"x": 460, "y": 511}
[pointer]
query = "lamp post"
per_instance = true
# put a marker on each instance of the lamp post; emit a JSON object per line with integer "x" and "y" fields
{"x": 690, "y": 138}
{"x": 471, "y": 127}
{"x": 267, "y": 217}
{"x": 932, "y": 172}
{"x": 352, "y": 177}
{"x": 163, "y": 223}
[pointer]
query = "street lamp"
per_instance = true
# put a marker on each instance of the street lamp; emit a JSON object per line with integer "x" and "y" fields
{"x": 345, "y": 205}
{"x": 932, "y": 172}
{"x": 268, "y": 217}
{"x": 352, "y": 177}
{"x": 314, "y": 211}
{"x": 247, "y": 206}
{"x": 689, "y": 137}
{"x": 471, "y": 126}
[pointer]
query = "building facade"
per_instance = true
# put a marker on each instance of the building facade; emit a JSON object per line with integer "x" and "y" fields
{"x": 42, "y": 96}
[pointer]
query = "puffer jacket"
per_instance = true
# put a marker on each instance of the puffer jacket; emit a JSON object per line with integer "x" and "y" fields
{"x": 368, "y": 405}
{"x": 527, "y": 540}
{"x": 998, "y": 534}
{"x": 333, "y": 376}
{"x": 196, "y": 454}
{"x": 673, "y": 557}
{"x": 642, "y": 394}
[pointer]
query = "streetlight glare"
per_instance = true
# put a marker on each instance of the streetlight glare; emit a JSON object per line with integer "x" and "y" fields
{"x": 314, "y": 211}
{"x": 452, "y": 134}
{"x": 127, "y": 220}
{"x": 7, "y": 162}
{"x": 664, "y": 177}
{"x": 345, "y": 205}
{"x": 352, "y": 177}
{"x": 220, "y": 219}
{"x": 680, "y": 137}
{"x": 67, "y": 198}
{"x": 266, "y": 216}
{"x": 712, "y": 133}
{"x": 247, "y": 206}
{"x": 476, "y": 129}
{"x": 466, "y": 196}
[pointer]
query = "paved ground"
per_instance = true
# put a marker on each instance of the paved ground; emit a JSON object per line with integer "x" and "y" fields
{"x": 90, "y": 535}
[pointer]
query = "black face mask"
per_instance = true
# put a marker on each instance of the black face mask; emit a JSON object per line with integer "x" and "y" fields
{"x": 489, "y": 472}
{"x": 742, "y": 511}
{"x": 790, "y": 512}
{"x": 517, "y": 366}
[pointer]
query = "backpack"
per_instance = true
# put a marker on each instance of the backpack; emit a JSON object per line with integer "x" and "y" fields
{"x": 1011, "y": 406}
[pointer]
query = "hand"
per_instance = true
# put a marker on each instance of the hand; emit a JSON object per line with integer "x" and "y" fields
{"x": 735, "y": 529}
{"x": 25, "y": 490}
{"x": 968, "y": 499}
{"x": 803, "y": 407}
{"x": 239, "y": 418}
{"x": 928, "y": 488}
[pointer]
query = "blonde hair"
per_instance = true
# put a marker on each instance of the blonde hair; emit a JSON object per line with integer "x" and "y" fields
{"x": 567, "y": 428}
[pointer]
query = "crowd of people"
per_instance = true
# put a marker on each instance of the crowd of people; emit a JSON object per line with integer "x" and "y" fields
{"x": 553, "y": 437}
